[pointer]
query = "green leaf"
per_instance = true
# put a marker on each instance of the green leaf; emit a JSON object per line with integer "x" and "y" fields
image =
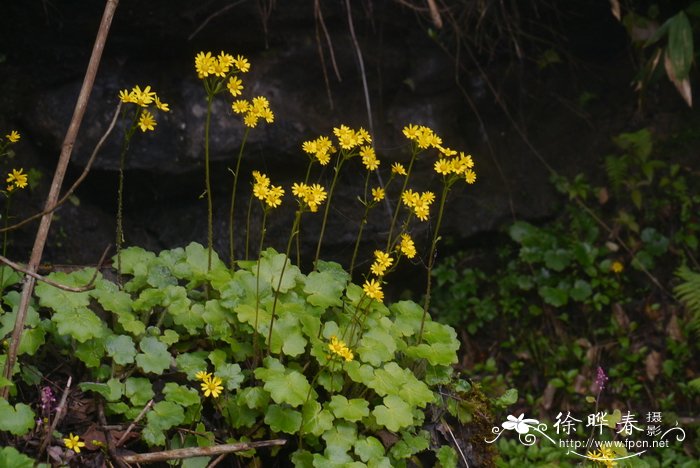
{"x": 394, "y": 414}
{"x": 554, "y": 296}
{"x": 360, "y": 373}
{"x": 191, "y": 363}
{"x": 508, "y": 398}
{"x": 376, "y": 346}
{"x": 17, "y": 420}
{"x": 154, "y": 356}
{"x": 91, "y": 352}
{"x": 231, "y": 375}
{"x": 138, "y": 390}
{"x": 558, "y": 259}
{"x": 118, "y": 302}
{"x": 112, "y": 390}
{"x": 447, "y": 456}
{"x": 9, "y": 278}
{"x": 271, "y": 267}
{"x": 11, "y": 457}
{"x": 351, "y": 410}
{"x": 285, "y": 385}
{"x": 283, "y": 419}
{"x": 121, "y": 348}
{"x": 408, "y": 317}
{"x": 410, "y": 444}
{"x": 61, "y": 300}
{"x": 369, "y": 448}
{"x": 32, "y": 339}
{"x": 180, "y": 394}
{"x": 133, "y": 260}
{"x": 163, "y": 416}
{"x": 325, "y": 288}
{"x": 680, "y": 45}
{"x": 581, "y": 290}
{"x": 340, "y": 438}
{"x": 315, "y": 420}
{"x": 286, "y": 333}
{"x": 169, "y": 337}
{"x": 80, "y": 323}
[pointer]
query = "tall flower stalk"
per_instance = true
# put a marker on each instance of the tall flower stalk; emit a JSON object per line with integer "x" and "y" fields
{"x": 349, "y": 141}
{"x": 143, "y": 119}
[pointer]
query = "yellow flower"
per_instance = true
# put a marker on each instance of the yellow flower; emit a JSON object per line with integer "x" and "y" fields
{"x": 273, "y": 197}
{"x": 235, "y": 86}
{"x": 378, "y": 194}
{"x": 443, "y": 166}
{"x": 13, "y": 136}
{"x": 202, "y": 375}
{"x": 143, "y": 98}
{"x": 242, "y": 64}
{"x": 607, "y": 457}
{"x": 261, "y": 186}
{"x": 347, "y": 138}
{"x": 240, "y": 106}
{"x": 407, "y": 247}
{"x": 267, "y": 115}
{"x": 616, "y": 266}
{"x": 363, "y": 135}
{"x": 411, "y": 132}
{"x": 212, "y": 386}
{"x": 316, "y": 196}
{"x": 373, "y": 289}
{"x": 73, "y": 443}
{"x": 410, "y": 198}
{"x": 204, "y": 64}
{"x": 16, "y": 179}
{"x": 339, "y": 348}
{"x": 369, "y": 158}
{"x": 126, "y": 96}
{"x": 470, "y": 176}
{"x": 382, "y": 261}
{"x": 446, "y": 152}
{"x": 397, "y": 168}
{"x": 219, "y": 69}
{"x": 250, "y": 120}
{"x": 225, "y": 60}
{"x": 162, "y": 105}
{"x": 147, "y": 121}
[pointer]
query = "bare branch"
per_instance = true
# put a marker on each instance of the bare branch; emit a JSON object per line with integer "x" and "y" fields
{"x": 190, "y": 452}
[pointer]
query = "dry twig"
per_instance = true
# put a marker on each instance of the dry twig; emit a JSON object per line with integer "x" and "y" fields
{"x": 133, "y": 424}
{"x": 59, "y": 175}
{"x": 57, "y": 417}
{"x": 190, "y": 452}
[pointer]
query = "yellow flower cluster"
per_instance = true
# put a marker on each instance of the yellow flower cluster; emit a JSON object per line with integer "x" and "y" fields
{"x": 382, "y": 262}
{"x": 321, "y": 148}
{"x": 339, "y": 348}
{"x": 605, "y": 457}
{"x": 461, "y": 165}
{"x": 16, "y": 179}
{"x": 210, "y": 385}
{"x": 406, "y": 246}
{"x": 349, "y": 138}
{"x": 73, "y": 443}
{"x": 418, "y": 203}
{"x": 258, "y": 109}
{"x": 13, "y": 136}
{"x": 264, "y": 191}
{"x": 312, "y": 195}
{"x": 205, "y": 64}
{"x": 373, "y": 290}
{"x": 423, "y": 136}
{"x": 369, "y": 158}
{"x": 144, "y": 98}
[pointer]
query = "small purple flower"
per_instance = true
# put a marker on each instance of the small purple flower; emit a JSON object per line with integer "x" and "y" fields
{"x": 47, "y": 400}
{"x": 601, "y": 379}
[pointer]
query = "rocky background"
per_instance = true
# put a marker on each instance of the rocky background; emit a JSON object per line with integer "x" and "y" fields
{"x": 501, "y": 100}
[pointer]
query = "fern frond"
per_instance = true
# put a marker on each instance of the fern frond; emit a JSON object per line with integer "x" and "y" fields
{"x": 616, "y": 169}
{"x": 688, "y": 292}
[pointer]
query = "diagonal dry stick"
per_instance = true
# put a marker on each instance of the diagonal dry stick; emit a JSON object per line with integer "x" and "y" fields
{"x": 190, "y": 452}
{"x": 59, "y": 174}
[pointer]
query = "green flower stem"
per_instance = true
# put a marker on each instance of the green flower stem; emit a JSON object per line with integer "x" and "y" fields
{"x": 298, "y": 241}
{"x": 207, "y": 181}
{"x": 233, "y": 197}
{"x": 294, "y": 232}
{"x": 403, "y": 189}
{"x": 247, "y": 225}
{"x": 257, "y": 289}
{"x": 4, "y": 237}
{"x": 120, "y": 191}
{"x": 362, "y": 227}
{"x": 339, "y": 164}
{"x": 431, "y": 255}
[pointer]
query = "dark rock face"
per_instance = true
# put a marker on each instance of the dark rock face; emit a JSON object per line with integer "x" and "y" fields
{"x": 410, "y": 80}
